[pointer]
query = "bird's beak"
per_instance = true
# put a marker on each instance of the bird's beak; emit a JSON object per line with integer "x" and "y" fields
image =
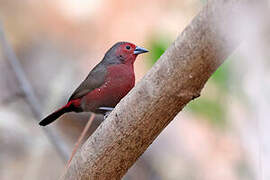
{"x": 140, "y": 50}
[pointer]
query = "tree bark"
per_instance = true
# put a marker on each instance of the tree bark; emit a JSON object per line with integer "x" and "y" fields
{"x": 177, "y": 78}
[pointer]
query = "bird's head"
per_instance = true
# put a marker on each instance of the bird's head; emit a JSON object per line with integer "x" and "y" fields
{"x": 124, "y": 53}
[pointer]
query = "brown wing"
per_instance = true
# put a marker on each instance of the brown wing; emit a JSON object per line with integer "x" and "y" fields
{"x": 94, "y": 80}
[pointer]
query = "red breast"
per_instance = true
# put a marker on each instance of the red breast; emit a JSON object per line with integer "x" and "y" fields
{"x": 120, "y": 79}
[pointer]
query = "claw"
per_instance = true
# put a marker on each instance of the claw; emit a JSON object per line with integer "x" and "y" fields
{"x": 107, "y": 114}
{"x": 106, "y": 111}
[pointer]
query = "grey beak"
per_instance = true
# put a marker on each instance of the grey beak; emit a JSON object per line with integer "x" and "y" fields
{"x": 140, "y": 50}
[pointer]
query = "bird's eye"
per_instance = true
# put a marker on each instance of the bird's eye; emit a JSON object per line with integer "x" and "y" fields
{"x": 128, "y": 47}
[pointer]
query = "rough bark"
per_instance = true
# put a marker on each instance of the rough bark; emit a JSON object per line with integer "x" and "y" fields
{"x": 177, "y": 78}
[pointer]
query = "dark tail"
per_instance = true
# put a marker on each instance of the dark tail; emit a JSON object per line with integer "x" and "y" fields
{"x": 52, "y": 117}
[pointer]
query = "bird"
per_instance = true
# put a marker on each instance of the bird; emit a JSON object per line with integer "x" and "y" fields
{"x": 106, "y": 84}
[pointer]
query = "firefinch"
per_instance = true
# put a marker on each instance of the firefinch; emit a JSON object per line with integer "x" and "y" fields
{"x": 107, "y": 83}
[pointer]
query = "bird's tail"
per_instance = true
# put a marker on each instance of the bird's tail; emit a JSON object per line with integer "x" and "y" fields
{"x": 52, "y": 117}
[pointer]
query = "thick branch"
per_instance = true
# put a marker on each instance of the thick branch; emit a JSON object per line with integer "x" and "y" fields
{"x": 177, "y": 78}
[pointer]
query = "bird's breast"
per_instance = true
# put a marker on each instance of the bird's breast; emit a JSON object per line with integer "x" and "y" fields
{"x": 119, "y": 80}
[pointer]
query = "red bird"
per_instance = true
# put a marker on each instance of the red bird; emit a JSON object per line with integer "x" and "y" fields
{"x": 105, "y": 85}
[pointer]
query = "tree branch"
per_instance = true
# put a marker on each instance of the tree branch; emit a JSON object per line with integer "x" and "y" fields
{"x": 177, "y": 78}
{"x": 29, "y": 94}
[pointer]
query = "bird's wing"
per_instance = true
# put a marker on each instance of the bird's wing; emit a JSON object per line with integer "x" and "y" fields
{"x": 94, "y": 80}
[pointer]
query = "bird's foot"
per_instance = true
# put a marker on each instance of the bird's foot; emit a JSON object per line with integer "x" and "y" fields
{"x": 106, "y": 110}
{"x": 107, "y": 114}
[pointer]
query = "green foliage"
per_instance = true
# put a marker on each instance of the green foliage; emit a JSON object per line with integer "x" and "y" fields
{"x": 212, "y": 110}
{"x": 221, "y": 77}
{"x": 158, "y": 44}
{"x": 203, "y": 1}
{"x": 243, "y": 170}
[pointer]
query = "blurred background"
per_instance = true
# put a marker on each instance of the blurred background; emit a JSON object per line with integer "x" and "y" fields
{"x": 221, "y": 135}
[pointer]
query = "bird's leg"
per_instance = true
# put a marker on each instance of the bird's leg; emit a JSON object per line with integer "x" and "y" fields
{"x": 78, "y": 143}
{"x": 106, "y": 111}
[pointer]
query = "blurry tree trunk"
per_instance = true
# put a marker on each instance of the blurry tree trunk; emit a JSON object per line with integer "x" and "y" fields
{"x": 177, "y": 78}
{"x": 253, "y": 124}
{"x": 29, "y": 94}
